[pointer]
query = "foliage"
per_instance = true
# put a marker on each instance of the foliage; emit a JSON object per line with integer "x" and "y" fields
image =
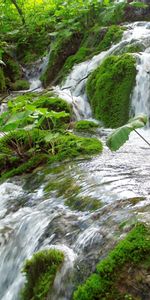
{"x": 109, "y": 88}
{"x": 34, "y": 129}
{"x": 121, "y": 135}
{"x": 132, "y": 251}
{"x": 40, "y": 273}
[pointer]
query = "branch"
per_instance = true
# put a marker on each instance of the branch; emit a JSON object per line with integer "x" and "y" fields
{"x": 19, "y": 11}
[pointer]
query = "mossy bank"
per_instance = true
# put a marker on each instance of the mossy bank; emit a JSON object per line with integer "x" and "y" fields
{"x": 37, "y": 133}
{"x": 123, "y": 274}
{"x": 109, "y": 89}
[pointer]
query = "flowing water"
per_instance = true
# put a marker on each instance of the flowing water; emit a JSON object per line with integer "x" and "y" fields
{"x": 33, "y": 209}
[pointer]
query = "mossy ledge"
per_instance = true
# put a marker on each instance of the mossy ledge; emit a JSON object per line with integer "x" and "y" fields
{"x": 109, "y": 89}
{"x": 95, "y": 40}
{"x": 120, "y": 275}
{"x": 40, "y": 272}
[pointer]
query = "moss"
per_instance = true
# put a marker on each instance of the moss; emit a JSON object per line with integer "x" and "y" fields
{"x": 109, "y": 88}
{"x": 95, "y": 41}
{"x": 83, "y": 203}
{"x": 131, "y": 48}
{"x": 31, "y": 149}
{"x": 26, "y": 167}
{"x": 52, "y": 103}
{"x": 66, "y": 44}
{"x": 20, "y": 84}
{"x": 69, "y": 189}
{"x": 13, "y": 70}
{"x": 40, "y": 273}
{"x": 132, "y": 252}
{"x": 2, "y": 81}
{"x": 70, "y": 145}
{"x": 85, "y": 125}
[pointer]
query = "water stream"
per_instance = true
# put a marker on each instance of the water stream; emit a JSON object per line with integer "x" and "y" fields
{"x": 33, "y": 210}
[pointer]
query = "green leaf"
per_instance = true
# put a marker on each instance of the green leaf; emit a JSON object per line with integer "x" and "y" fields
{"x": 121, "y": 134}
{"x": 51, "y": 137}
{"x": 17, "y": 117}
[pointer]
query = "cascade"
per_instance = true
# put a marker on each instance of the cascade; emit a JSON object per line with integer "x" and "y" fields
{"x": 73, "y": 90}
{"x": 32, "y": 219}
{"x": 34, "y": 72}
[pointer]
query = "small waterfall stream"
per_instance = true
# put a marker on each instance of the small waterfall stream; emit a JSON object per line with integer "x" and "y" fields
{"x": 33, "y": 210}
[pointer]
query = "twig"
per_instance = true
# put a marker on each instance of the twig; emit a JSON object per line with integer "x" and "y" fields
{"x": 142, "y": 137}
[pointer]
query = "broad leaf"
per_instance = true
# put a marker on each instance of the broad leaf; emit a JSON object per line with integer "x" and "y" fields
{"x": 121, "y": 134}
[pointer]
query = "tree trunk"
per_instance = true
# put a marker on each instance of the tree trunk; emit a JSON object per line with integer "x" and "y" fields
{"x": 19, "y": 11}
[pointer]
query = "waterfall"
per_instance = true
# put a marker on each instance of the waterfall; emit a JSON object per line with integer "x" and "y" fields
{"x": 34, "y": 72}
{"x": 141, "y": 93}
{"x": 73, "y": 90}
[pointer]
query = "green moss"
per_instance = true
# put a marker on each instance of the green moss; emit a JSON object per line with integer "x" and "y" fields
{"x": 70, "y": 145}
{"x": 109, "y": 88}
{"x": 131, "y": 48}
{"x": 95, "y": 41}
{"x": 85, "y": 125}
{"x": 40, "y": 273}
{"x": 132, "y": 252}
{"x": 66, "y": 44}
{"x": 30, "y": 148}
{"x": 26, "y": 167}
{"x": 13, "y": 69}
{"x": 2, "y": 81}
{"x": 20, "y": 84}
{"x": 69, "y": 189}
{"x": 52, "y": 103}
{"x": 83, "y": 203}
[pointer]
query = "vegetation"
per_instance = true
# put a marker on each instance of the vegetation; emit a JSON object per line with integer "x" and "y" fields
{"x": 111, "y": 278}
{"x": 20, "y": 85}
{"x": 40, "y": 272}
{"x": 37, "y": 133}
{"x": 94, "y": 41}
{"x": 109, "y": 88}
{"x": 85, "y": 125}
{"x": 121, "y": 135}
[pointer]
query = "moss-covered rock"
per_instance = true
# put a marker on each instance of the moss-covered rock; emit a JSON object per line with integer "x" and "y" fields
{"x": 19, "y": 85}
{"x": 96, "y": 40}
{"x": 64, "y": 46}
{"x": 85, "y": 125}
{"x": 83, "y": 203}
{"x": 40, "y": 272}
{"x": 117, "y": 276}
{"x": 52, "y": 103}
{"x": 109, "y": 88}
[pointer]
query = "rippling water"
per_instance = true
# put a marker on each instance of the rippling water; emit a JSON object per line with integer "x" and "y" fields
{"x": 33, "y": 214}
